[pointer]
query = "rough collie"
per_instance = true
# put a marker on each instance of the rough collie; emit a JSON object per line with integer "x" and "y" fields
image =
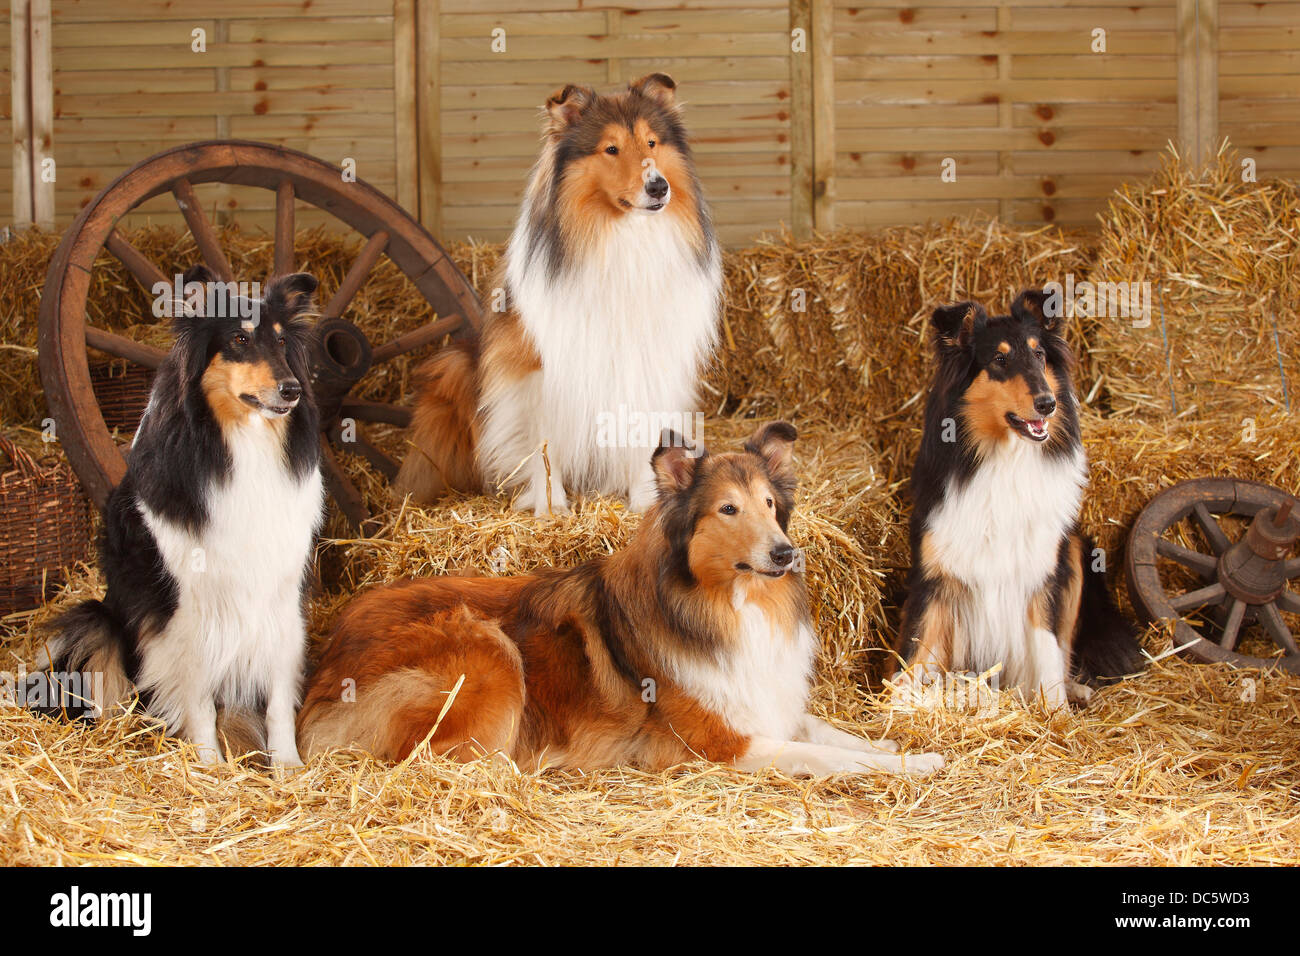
{"x": 693, "y": 642}
{"x": 1001, "y": 574}
{"x": 206, "y": 544}
{"x": 609, "y": 297}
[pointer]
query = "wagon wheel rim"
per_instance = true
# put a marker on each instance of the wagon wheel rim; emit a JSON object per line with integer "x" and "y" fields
{"x": 65, "y": 335}
{"x": 1232, "y": 599}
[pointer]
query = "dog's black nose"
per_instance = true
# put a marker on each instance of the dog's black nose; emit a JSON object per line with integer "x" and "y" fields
{"x": 657, "y": 188}
{"x": 782, "y": 555}
{"x": 1045, "y": 404}
{"x": 290, "y": 390}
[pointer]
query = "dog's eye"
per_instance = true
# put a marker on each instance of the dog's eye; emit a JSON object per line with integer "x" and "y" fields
{"x": 240, "y": 338}
{"x": 769, "y": 502}
{"x": 999, "y": 359}
{"x": 652, "y": 144}
{"x": 282, "y": 341}
{"x": 612, "y": 150}
{"x": 1040, "y": 354}
{"x": 729, "y": 510}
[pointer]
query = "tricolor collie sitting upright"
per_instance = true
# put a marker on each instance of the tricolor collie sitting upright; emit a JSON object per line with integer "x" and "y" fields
{"x": 1000, "y": 572}
{"x": 611, "y": 285}
{"x": 207, "y": 540}
{"x": 694, "y": 641}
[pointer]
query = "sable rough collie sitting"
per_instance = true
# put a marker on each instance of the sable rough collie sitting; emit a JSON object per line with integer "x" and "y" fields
{"x": 694, "y": 641}
{"x": 610, "y": 285}
{"x": 1000, "y": 572}
{"x": 207, "y": 541}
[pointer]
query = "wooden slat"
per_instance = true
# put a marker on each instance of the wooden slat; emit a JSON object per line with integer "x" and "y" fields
{"x": 429, "y": 133}
{"x": 405, "y": 116}
{"x": 42, "y": 115}
{"x": 20, "y": 71}
{"x": 823, "y": 42}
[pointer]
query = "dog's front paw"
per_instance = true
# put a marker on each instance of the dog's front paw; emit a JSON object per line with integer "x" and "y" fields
{"x": 922, "y": 765}
{"x": 1078, "y": 694}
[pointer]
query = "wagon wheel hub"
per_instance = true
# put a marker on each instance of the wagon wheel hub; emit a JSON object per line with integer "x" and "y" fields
{"x": 1254, "y": 570}
{"x": 340, "y": 357}
{"x": 1253, "y": 580}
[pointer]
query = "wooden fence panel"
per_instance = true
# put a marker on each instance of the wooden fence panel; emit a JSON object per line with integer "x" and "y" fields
{"x": 1010, "y": 99}
{"x": 731, "y": 62}
{"x": 809, "y": 113}
{"x": 131, "y": 80}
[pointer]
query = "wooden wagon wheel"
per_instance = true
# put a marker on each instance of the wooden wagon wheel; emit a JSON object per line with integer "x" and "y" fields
{"x": 342, "y": 355}
{"x": 1240, "y": 582}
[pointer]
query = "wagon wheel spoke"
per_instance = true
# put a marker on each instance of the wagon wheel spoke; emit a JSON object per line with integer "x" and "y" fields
{"x": 1210, "y": 594}
{"x": 419, "y": 338}
{"x": 382, "y": 412}
{"x": 1213, "y": 533}
{"x": 284, "y": 257}
{"x": 1293, "y": 568}
{"x": 150, "y": 356}
{"x": 204, "y": 235}
{"x": 365, "y": 448}
{"x": 1271, "y": 620}
{"x": 341, "y": 488}
{"x": 356, "y": 275}
{"x": 1203, "y": 564}
{"x": 1232, "y": 626}
{"x": 136, "y": 262}
{"x": 1289, "y": 601}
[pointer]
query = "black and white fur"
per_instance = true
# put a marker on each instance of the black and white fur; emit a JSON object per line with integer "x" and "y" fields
{"x": 207, "y": 541}
{"x": 1001, "y": 574}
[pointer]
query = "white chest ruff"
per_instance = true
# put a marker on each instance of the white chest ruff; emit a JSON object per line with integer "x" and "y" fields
{"x": 1000, "y": 536}
{"x": 239, "y": 578}
{"x": 622, "y": 337}
{"x": 760, "y": 687}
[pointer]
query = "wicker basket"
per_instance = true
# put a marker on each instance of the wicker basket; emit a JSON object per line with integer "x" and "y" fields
{"x": 45, "y": 527}
{"x": 122, "y": 391}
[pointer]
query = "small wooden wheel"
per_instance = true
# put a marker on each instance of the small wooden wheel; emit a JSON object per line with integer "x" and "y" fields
{"x": 1183, "y": 565}
{"x": 343, "y": 353}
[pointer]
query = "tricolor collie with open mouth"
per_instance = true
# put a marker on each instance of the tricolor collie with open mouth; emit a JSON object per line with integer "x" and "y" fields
{"x": 611, "y": 285}
{"x": 207, "y": 540}
{"x": 692, "y": 642}
{"x": 1000, "y": 571}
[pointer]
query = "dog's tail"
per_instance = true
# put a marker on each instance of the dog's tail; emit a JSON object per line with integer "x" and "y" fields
{"x": 1106, "y": 649}
{"x": 443, "y": 429}
{"x": 82, "y": 665}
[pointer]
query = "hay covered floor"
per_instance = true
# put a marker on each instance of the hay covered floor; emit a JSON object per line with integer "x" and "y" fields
{"x": 1187, "y": 764}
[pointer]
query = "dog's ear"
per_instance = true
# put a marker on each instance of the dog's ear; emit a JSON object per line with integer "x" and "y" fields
{"x": 774, "y": 443}
{"x": 1039, "y": 305}
{"x": 566, "y": 106}
{"x": 292, "y": 294}
{"x": 953, "y": 326}
{"x": 658, "y": 87}
{"x": 194, "y": 285}
{"x": 674, "y": 462}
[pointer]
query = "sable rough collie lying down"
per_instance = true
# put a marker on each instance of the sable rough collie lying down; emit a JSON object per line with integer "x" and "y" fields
{"x": 207, "y": 541}
{"x": 611, "y": 284}
{"x": 1000, "y": 571}
{"x": 694, "y": 641}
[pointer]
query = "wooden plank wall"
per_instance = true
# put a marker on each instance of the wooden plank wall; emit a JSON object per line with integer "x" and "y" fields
{"x": 730, "y": 59}
{"x": 9, "y": 213}
{"x": 1040, "y": 127}
{"x": 851, "y": 133}
{"x": 128, "y": 83}
{"x": 1259, "y": 83}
